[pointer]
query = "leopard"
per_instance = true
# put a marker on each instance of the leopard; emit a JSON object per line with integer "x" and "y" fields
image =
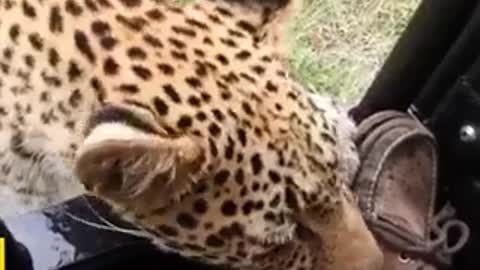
{"x": 187, "y": 122}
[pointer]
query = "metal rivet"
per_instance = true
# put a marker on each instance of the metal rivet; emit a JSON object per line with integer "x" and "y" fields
{"x": 404, "y": 258}
{"x": 468, "y": 133}
{"x": 476, "y": 184}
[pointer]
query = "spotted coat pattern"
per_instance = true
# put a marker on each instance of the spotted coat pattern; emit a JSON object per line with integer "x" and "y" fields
{"x": 268, "y": 149}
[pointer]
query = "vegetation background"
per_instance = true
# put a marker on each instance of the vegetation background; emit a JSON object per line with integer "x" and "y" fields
{"x": 338, "y": 46}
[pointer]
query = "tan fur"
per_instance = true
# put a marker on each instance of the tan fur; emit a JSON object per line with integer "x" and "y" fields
{"x": 186, "y": 121}
{"x": 141, "y": 158}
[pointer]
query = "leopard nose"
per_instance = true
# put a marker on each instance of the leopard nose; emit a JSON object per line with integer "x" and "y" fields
{"x": 365, "y": 255}
{"x": 376, "y": 260}
{"x": 362, "y": 251}
{"x": 358, "y": 258}
{"x": 368, "y": 259}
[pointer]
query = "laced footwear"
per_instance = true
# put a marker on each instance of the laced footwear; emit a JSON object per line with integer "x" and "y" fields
{"x": 396, "y": 189}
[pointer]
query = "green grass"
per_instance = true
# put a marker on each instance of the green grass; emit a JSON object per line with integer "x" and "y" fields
{"x": 337, "y": 46}
{"x": 184, "y": 2}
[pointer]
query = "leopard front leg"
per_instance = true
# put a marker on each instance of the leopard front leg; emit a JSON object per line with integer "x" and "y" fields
{"x": 34, "y": 174}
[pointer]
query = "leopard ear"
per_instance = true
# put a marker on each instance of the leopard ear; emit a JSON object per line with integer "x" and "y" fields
{"x": 127, "y": 166}
{"x": 267, "y": 20}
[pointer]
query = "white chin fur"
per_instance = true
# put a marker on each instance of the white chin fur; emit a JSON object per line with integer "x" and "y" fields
{"x": 113, "y": 131}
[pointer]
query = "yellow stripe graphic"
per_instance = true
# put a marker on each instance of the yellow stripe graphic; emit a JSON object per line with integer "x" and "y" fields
{"x": 2, "y": 253}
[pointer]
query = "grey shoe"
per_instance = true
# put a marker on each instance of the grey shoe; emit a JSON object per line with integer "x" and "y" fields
{"x": 396, "y": 188}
